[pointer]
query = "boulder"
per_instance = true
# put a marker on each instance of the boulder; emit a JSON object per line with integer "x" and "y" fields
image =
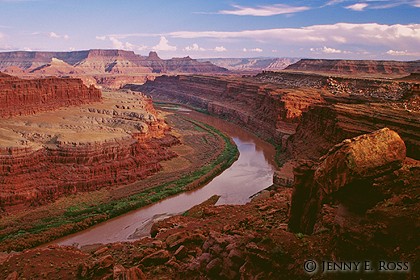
{"x": 346, "y": 174}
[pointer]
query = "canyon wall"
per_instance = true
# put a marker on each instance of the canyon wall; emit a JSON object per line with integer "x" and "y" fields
{"x": 267, "y": 111}
{"x": 325, "y": 125}
{"x": 37, "y": 176}
{"x": 22, "y": 97}
{"x": 321, "y": 110}
{"x": 339, "y": 66}
{"x": 116, "y": 141}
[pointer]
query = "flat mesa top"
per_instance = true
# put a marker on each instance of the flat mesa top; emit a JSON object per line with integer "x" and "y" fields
{"x": 116, "y": 117}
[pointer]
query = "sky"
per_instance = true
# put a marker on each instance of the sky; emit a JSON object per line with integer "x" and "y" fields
{"x": 333, "y": 29}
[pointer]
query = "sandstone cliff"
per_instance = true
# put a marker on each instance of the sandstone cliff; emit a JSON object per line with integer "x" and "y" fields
{"x": 266, "y": 110}
{"x": 349, "y": 168}
{"x": 22, "y": 97}
{"x": 325, "y": 125}
{"x": 44, "y": 156}
{"x": 366, "y": 67}
{"x": 96, "y": 66}
{"x": 317, "y": 111}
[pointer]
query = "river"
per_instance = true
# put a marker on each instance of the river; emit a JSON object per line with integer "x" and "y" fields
{"x": 251, "y": 173}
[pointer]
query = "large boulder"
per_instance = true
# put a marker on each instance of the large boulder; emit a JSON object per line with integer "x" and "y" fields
{"x": 345, "y": 174}
{"x": 363, "y": 157}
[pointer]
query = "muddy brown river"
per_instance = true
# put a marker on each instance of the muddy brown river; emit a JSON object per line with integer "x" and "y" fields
{"x": 251, "y": 173}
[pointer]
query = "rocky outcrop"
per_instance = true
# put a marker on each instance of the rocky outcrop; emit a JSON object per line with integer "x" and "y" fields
{"x": 268, "y": 111}
{"x": 22, "y": 97}
{"x": 33, "y": 177}
{"x": 373, "y": 67}
{"x": 352, "y": 87}
{"x": 346, "y": 171}
{"x": 325, "y": 125}
{"x": 114, "y": 142}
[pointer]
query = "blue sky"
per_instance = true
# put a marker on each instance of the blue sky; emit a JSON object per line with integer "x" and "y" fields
{"x": 367, "y": 29}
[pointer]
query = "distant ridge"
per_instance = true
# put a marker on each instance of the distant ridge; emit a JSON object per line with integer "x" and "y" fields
{"x": 252, "y": 64}
{"x": 373, "y": 67}
{"x": 104, "y": 61}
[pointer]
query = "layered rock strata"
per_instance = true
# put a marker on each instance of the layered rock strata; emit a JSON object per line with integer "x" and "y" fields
{"x": 352, "y": 87}
{"x": 325, "y": 125}
{"x": 23, "y": 97}
{"x": 113, "y": 142}
{"x": 277, "y": 105}
{"x": 101, "y": 68}
{"x": 365, "y": 67}
{"x": 266, "y": 110}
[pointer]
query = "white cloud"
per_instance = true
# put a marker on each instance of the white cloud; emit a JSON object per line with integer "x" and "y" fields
{"x": 328, "y": 50}
{"x": 163, "y": 45}
{"x": 416, "y": 3}
{"x": 220, "y": 49}
{"x": 357, "y": 7}
{"x": 194, "y": 47}
{"x": 352, "y": 37}
{"x": 333, "y": 2}
{"x": 263, "y": 11}
{"x": 252, "y": 50}
{"x": 373, "y": 35}
{"x": 374, "y": 4}
{"x": 54, "y": 35}
{"x": 117, "y": 44}
{"x": 402, "y": 53}
{"x": 392, "y": 52}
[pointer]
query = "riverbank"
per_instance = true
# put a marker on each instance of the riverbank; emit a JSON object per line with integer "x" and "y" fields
{"x": 205, "y": 152}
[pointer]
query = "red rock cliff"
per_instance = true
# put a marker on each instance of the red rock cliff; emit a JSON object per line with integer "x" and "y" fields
{"x": 32, "y": 177}
{"x": 23, "y": 97}
{"x": 116, "y": 141}
{"x": 325, "y": 125}
{"x": 266, "y": 110}
{"x": 356, "y": 66}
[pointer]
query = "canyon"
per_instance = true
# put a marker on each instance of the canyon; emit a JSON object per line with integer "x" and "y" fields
{"x": 306, "y": 114}
{"x": 101, "y": 68}
{"x": 348, "y": 179}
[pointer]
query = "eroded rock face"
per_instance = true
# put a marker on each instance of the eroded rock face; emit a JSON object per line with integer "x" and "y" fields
{"x": 101, "y": 68}
{"x": 366, "y": 156}
{"x": 356, "y": 66}
{"x": 268, "y": 111}
{"x": 325, "y": 125}
{"x": 345, "y": 173}
{"x": 23, "y": 97}
{"x": 44, "y": 156}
